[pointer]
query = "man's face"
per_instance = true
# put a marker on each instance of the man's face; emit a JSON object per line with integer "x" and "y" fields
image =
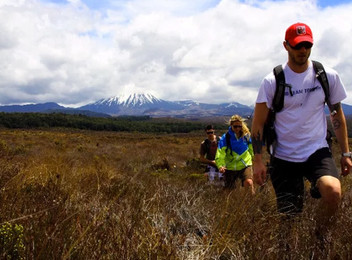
{"x": 210, "y": 132}
{"x": 300, "y": 53}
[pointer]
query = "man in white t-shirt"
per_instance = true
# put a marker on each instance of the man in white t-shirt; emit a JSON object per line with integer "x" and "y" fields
{"x": 301, "y": 127}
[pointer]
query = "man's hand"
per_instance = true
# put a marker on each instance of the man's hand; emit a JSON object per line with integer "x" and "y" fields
{"x": 346, "y": 165}
{"x": 212, "y": 163}
{"x": 259, "y": 172}
{"x": 222, "y": 169}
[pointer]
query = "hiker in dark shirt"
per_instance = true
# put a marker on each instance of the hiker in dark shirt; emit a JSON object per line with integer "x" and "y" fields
{"x": 207, "y": 154}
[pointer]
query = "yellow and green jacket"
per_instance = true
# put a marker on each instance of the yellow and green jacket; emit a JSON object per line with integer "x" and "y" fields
{"x": 236, "y": 156}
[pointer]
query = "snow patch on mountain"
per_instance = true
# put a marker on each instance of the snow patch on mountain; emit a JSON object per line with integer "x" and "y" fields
{"x": 131, "y": 100}
{"x": 232, "y": 105}
{"x": 188, "y": 103}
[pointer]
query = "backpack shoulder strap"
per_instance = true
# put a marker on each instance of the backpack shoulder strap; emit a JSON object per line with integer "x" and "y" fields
{"x": 207, "y": 144}
{"x": 246, "y": 138}
{"x": 228, "y": 141}
{"x": 276, "y": 106}
{"x": 323, "y": 79}
{"x": 278, "y": 101}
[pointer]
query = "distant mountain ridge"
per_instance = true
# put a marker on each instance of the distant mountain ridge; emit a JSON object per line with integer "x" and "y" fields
{"x": 139, "y": 104}
{"x": 147, "y": 104}
{"x": 31, "y": 107}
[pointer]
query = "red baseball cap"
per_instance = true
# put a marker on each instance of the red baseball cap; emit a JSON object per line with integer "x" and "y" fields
{"x": 298, "y": 32}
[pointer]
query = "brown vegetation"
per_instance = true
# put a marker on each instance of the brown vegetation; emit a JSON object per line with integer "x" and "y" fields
{"x": 105, "y": 195}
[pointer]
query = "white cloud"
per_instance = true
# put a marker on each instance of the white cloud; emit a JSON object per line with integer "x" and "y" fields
{"x": 201, "y": 50}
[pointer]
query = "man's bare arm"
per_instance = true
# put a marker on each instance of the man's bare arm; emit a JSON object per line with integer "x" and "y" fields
{"x": 260, "y": 116}
{"x": 257, "y": 142}
{"x": 261, "y": 112}
{"x": 338, "y": 121}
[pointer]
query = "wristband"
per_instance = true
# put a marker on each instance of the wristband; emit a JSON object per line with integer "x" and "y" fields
{"x": 347, "y": 155}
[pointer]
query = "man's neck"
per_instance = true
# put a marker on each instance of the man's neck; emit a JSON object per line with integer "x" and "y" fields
{"x": 298, "y": 68}
{"x": 213, "y": 138}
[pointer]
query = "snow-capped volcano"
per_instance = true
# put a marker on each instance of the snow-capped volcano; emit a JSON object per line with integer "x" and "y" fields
{"x": 133, "y": 104}
{"x": 132, "y": 100}
{"x": 147, "y": 104}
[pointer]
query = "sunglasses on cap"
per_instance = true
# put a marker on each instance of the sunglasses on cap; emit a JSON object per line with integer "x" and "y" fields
{"x": 210, "y": 132}
{"x": 306, "y": 45}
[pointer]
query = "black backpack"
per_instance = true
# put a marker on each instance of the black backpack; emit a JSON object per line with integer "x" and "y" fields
{"x": 278, "y": 102}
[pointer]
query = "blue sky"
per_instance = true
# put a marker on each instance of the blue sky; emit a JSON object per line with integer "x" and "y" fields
{"x": 325, "y": 3}
{"x": 97, "y": 4}
{"x": 78, "y": 51}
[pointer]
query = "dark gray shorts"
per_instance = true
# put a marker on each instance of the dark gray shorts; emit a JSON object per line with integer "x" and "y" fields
{"x": 232, "y": 176}
{"x": 288, "y": 178}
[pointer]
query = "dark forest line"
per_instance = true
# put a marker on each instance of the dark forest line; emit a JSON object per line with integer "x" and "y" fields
{"x": 118, "y": 124}
{"x": 123, "y": 123}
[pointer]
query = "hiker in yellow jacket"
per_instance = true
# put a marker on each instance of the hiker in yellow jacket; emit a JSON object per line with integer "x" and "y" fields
{"x": 234, "y": 154}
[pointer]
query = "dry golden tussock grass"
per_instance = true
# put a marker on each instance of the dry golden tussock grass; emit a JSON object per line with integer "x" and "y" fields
{"x": 103, "y": 195}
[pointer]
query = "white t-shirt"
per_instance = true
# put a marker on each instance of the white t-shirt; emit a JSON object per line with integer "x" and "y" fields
{"x": 301, "y": 124}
